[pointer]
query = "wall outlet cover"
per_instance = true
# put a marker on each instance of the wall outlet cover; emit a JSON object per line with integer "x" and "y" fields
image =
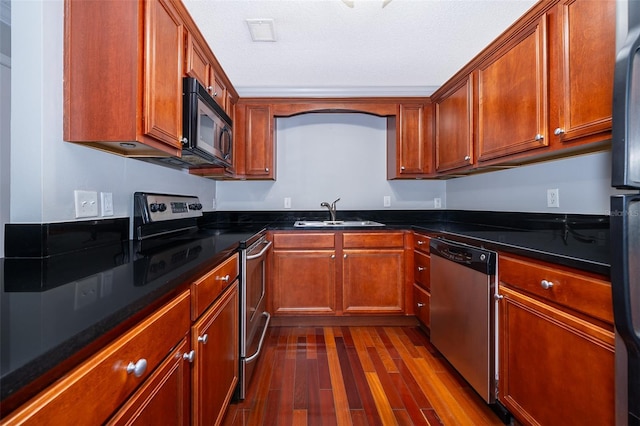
{"x": 106, "y": 203}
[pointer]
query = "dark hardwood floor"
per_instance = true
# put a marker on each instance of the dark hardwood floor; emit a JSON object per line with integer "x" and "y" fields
{"x": 356, "y": 376}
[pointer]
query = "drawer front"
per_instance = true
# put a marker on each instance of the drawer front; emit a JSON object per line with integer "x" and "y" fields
{"x": 422, "y": 271}
{"x": 582, "y": 293}
{"x": 303, "y": 240}
{"x": 207, "y": 289}
{"x": 92, "y": 392}
{"x": 421, "y": 242}
{"x": 422, "y": 301}
{"x": 372, "y": 239}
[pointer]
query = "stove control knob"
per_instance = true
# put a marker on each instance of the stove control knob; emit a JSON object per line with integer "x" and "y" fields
{"x": 195, "y": 206}
{"x": 154, "y": 207}
{"x": 162, "y": 207}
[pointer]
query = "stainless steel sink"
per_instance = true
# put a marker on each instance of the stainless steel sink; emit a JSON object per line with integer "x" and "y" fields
{"x": 335, "y": 223}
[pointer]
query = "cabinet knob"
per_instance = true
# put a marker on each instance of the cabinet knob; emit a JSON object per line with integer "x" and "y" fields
{"x": 225, "y": 278}
{"x": 467, "y": 158}
{"x": 558, "y": 131}
{"x": 215, "y": 94}
{"x": 345, "y": 256}
{"x": 539, "y": 137}
{"x": 498, "y": 296}
{"x": 189, "y": 356}
{"x": 333, "y": 256}
{"x": 420, "y": 242}
{"x": 546, "y": 284}
{"x": 421, "y": 268}
{"x": 401, "y": 167}
{"x": 204, "y": 339}
{"x": 266, "y": 169}
{"x": 420, "y": 305}
{"x": 138, "y": 368}
{"x": 209, "y": 88}
{"x": 184, "y": 140}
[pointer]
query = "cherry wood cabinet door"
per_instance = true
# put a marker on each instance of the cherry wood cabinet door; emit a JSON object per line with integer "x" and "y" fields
{"x": 164, "y": 35}
{"x": 583, "y": 59}
{"x": 454, "y": 127}
{"x": 413, "y": 152}
{"x": 304, "y": 282}
{"x": 214, "y": 337}
{"x": 373, "y": 281}
{"x": 164, "y": 398}
{"x": 259, "y": 152}
{"x": 555, "y": 368}
{"x": 196, "y": 62}
{"x": 512, "y": 96}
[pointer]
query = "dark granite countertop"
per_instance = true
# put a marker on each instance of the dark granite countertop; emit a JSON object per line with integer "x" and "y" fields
{"x": 56, "y": 300}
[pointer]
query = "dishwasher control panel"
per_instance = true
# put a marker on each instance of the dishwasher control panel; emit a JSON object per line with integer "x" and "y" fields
{"x": 476, "y": 258}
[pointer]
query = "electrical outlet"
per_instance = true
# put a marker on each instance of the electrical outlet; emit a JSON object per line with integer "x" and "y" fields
{"x": 386, "y": 201}
{"x": 553, "y": 198}
{"x": 106, "y": 202}
{"x": 86, "y": 203}
{"x": 287, "y": 202}
{"x": 437, "y": 203}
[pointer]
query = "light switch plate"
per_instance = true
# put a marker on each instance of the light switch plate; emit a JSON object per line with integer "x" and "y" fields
{"x": 86, "y": 203}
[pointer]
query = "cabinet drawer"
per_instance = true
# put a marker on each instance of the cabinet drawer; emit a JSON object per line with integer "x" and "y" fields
{"x": 422, "y": 301}
{"x": 95, "y": 389}
{"x": 421, "y": 242}
{"x": 422, "y": 272}
{"x": 311, "y": 240}
{"x": 574, "y": 290}
{"x": 207, "y": 289}
{"x": 372, "y": 239}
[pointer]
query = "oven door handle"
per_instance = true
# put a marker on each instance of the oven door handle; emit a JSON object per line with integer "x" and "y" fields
{"x": 264, "y": 333}
{"x": 255, "y": 256}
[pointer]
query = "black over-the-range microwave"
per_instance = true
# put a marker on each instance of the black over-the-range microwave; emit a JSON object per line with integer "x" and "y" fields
{"x": 206, "y": 129}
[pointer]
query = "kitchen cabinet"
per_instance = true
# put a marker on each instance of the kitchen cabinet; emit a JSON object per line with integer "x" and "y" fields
{"x": 582, "y": 60}
{"x": 556, "y": 344}
{"x": 373, "y": 272}
{"x": 215, "y": 340}
{"x": 93, "y": 391}
{"x": 199, "y": 65}
{"x": 304, "y": 275}
{"x": 164, "y": 398}
{"x": 411, "y": 154}
{"x": 512, "y": 96}
{"x": 254, "y": 142}
{"x": 454, "y": 126}
{"x": 133, "y": 105}
{"x": 422, "y": 278}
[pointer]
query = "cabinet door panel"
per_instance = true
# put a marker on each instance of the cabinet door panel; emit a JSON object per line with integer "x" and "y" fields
{"x": 512, "y": 97}
{"x": 215, "y": 372}
{"x": 585, "y": 40}
{"x": 304, "y": 282}
{"x": 454, "y": 128}
{"x": 412, "y": 146}
{"x": 197, "y": 65}
{"x": 259, "y": 141}
{"x": 373, "y": 281}
{"x": 555, "y": 368}
{"x": 163, "y": 73}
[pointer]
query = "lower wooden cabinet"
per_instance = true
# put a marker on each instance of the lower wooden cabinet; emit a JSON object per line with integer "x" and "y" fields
{"x": 556, "y": 363}
{"x": 422, "y": 308}
{"x": 164, "y": 398}
{"x": 214, "y": 338}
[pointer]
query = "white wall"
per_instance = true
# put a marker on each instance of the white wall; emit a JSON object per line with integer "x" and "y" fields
{"x": 45, "y": 170}
{"x": 321, "y": 157}
{"x": 584, "y": 182}
{"x": 5, "y": 114}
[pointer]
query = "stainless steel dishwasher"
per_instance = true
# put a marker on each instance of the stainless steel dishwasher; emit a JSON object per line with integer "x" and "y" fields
{"x": 463, "y": 313}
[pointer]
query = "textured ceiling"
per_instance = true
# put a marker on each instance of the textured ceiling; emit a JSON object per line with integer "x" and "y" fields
{"x": 325, "y": 48}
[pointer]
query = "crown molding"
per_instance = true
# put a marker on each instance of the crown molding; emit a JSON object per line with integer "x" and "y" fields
{"x": 334, "y": 92}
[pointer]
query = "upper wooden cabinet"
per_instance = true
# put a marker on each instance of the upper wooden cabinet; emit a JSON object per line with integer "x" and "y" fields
{"x": 512, "y": 96}
{"x": 410, "y": 154}
{"x": 254, "y": 142}
{"x": 123, "y": 83}
{"x": 582, "y": 61}
{"x": 454, "y": 126}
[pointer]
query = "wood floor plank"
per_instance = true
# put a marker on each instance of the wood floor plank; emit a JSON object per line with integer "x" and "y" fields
{"x": 300, "y": 417}
{"x": 416, "y": 392}
{"x": 370, "y": 411}
{"x": 385, "y": 380}
{"x": 347, "y": 376}
{"x": 314, "y": 404}
{"x": 381, "y": 349}
{"x": 411, "y": 406}
{"x": 360, "y": 343}
{"x": 327, "y": 408}
{"x": 380, "y": 399}
{"x": 312, "y": 345}
{"x": 301, "y": 381}
{"x": 340, "y": 401}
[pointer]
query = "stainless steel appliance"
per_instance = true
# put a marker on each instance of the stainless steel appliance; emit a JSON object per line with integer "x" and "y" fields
{"x": 463, "y": 312}
{"x": 254, "y": 319}
{"x": 625, "y": 214}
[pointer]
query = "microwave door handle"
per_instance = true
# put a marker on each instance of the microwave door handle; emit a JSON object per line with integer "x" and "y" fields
{"x": 225, "y": 135}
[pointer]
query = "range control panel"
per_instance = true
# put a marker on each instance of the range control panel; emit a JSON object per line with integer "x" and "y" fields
{"x": 161, "y": 207}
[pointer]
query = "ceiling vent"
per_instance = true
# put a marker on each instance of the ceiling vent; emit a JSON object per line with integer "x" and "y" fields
{"x": 262, "y": 29}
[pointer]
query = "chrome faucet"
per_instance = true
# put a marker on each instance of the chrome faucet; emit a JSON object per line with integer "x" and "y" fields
{"x": 331, "y": 207}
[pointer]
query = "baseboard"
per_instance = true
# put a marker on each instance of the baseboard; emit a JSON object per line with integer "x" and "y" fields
{"x": 357, "y": 321}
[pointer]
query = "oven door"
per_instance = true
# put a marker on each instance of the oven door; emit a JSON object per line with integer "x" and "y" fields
{"x": 254, "y": 319}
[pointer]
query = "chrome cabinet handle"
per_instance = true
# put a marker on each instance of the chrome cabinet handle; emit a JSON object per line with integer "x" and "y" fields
{"x": 138, "y": 368}
{"x": 204, "y": 339}
{"x": 558, "y": 131}
{"x": 539, "y": 137}
{"x": 546, "y": 284}
{"x": 420, "y": 305}
{"x": 498, "y": 296}
{"x": 467, "y": 158}
{"x": 225, "y": 278}
{"x": 189, "y": 356}
{"x": 421, "y": 268}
